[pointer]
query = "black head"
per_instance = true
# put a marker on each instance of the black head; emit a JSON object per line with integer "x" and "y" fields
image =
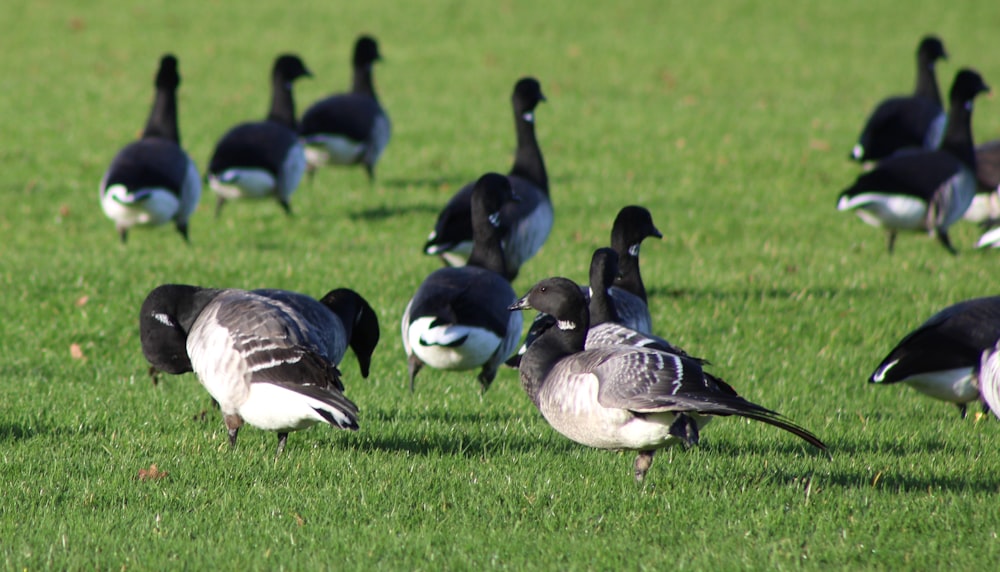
{"x": 165, "y": 319}
{"x": 366, "y": 51}
{"x": 967, "y": 85}
{"x": 931, "y": 49}
{"x": 491, "y": 192}
{"x": 559, "y": 297}
{"x": 632, "y": 225}
{"x": 527, "y": 95}
{"x": 289, "y": 67}
{"x": 167, "y": 76}
{"x": 360, "y": 322}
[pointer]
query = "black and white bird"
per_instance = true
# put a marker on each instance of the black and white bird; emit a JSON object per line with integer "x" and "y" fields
{"x": 902, "y": 122}
{"x": 458, "y": 317}
{"x": 941, "y": 358}
{"x": 620, "y": 396}
{"x": 268, "y": 357}
{"x": 527, "y": 222}
{"x": 263, "y": 158}
{"x": 924, "y": 190}
{"x": 349, "y": 128}
{"x": 152, "y": 181}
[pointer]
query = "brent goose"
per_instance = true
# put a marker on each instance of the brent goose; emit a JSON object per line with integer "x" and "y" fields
{"x": 529, "y": 221}
{"x": 941, "y": 357}
{"x": 263, "y": 158}
{"x": 152, "y": 181}
{"x": 901, "y": 122}
{"x": 924, "y": 190}
{"x": 622, "y": 397}
{"x": 268, "y": 357}
{"x": 458, "y": 318}
{"x": 349, "y": 128}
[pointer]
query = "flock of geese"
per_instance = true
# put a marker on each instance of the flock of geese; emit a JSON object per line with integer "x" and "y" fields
{"x": 590, "y": 361}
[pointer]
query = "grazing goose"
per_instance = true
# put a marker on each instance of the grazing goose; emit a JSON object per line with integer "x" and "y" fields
{"x": 989, "y": 378}
{"x": 529, "y": 221}
{"x": 901, "y": 122}
{"x": 349, "y": 128}
{"x": 941, "y": 357}
{"x": 263, "y": 158}
{"x": 152, "y": 181}
{"x": 622, "y": 397}
{"x": 924, "y": 190}
{"x": 458, "y": 318}
{"x": 268, "y": 357}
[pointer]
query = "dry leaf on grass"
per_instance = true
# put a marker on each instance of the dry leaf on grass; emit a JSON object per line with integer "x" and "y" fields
{"x": 75, "y": 351}
{"x": 152, "y": 473}
{"x": 82, "y": 301}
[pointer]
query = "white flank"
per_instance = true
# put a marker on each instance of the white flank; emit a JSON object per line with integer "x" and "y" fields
{"x": 956, "y": 385}
{"x": 275, "y": 408}
{"x": 989, "y": 239}
{"x": 243, "y": 182}
{"x": 326, "y": 149}
{"x": 898, "y": 212}
{"x": 159, "y": 206}
{"x": 427, "y": 343}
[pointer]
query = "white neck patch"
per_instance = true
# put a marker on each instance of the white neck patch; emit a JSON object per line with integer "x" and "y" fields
{"x": 634, "y": 249}
{"x": 566, "y": 324}
{"x": 528, "y": 116}
{"x": 163, "y": 319}
{"x": 495, "y": 219}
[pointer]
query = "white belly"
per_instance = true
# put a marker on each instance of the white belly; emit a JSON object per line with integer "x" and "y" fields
{"x": 331, "y": 149}
{"x": 896, "y": 212}
{"x": 158, "y": 207}
{"x": 452, "y": 347}
{"x": 241, "y": 182}
{"x": 955, "y": 385}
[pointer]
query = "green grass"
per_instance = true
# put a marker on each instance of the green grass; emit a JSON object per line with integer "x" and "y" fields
{"x": 731, "y": 122}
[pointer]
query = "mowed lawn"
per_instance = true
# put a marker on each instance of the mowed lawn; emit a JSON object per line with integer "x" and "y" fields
{"x": 731, "y": 122}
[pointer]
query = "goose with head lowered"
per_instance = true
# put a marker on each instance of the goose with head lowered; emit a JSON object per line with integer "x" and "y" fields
{"x": 349, "y": 128}
{"x": 902, "y": 122}
{"x": 268, "y": 357}
{"x": 942, "y": 356}
{"x": 527, "y": 222}
{"x": 263, "y": 158}
{"x": 458, "y": 318}
{"x": 622, "y": 396}
{"x": 152, "y": 181}
{"x": 924, "y": 191}
{"x": 985, "y": 209}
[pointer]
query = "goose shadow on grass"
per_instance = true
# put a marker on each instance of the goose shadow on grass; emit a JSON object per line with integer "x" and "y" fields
{"x": 454, "y": 433}
{"x": 741, "y": 294}
{"x": 383, "y": 212}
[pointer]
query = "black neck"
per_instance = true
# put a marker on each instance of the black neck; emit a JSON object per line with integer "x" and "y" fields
{"x": 553, "y": 345}
{"x": 282, "y": 103}
{"x": 927, "y": 84}
{"x": 162, "y": 120}
{"x": 629, "y": 277}
{"x": 957, "y": 138}
{"x": 362, "y": 82}
{"x": 528, "y": 162}
{"x": 487, "y": 249}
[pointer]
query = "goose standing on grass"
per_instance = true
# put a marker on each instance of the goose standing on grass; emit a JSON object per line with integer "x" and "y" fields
{"x": 529, "y": 221}
{"x": 152, "y": 181}
{"x": 268, "y": 357}
{"x": 263, "y": 158}
{"x": 941, "y": 357}
{"x": 622, "y": 397}
{"x": 924, "y": 190}
{"x": 458, "y": 318}
{"x": 916, "y": 120}
{"x": 349, "y": 128}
